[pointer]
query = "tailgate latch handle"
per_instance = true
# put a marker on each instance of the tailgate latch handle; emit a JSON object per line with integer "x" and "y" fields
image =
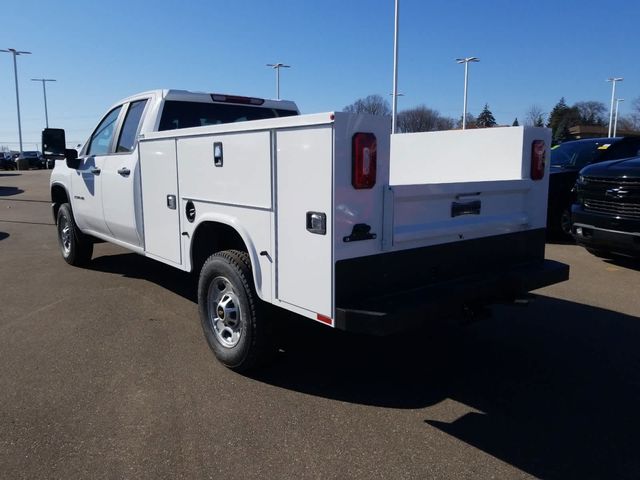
{"x": 466, "y": 208}
{"x": 361, "y": 231}
{"x": 217, "y": 154}
{"x": 317, "y": 223}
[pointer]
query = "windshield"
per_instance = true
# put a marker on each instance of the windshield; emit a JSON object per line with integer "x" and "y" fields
{"x": 577, "y": 154}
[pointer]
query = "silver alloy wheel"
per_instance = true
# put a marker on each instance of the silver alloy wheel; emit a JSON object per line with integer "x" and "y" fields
{"x": 65, "y": 235}
{"x": 224, "y": 312}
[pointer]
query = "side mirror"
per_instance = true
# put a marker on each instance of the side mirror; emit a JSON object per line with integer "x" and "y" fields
{"x": 53, "y": 143}
{"x": 72, "y": 158}
{"x": 54, "y": 147}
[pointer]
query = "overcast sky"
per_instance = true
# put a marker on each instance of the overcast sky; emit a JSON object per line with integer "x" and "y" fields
{"x": 340, "y": 50}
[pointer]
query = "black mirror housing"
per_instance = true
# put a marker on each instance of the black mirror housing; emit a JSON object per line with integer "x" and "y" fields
{"x": 71, "y": 156}
{"x": 54, "y": 146}
{"x": 54, "y": 143}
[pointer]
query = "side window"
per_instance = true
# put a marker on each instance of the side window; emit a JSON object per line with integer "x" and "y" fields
{"x": 127, "y": 140}
{"x": 103, "y": 135}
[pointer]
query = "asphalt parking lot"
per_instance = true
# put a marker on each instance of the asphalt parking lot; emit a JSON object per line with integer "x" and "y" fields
{"x": 104, "y": 373}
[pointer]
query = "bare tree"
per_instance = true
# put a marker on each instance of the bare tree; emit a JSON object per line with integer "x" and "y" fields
{"x": 535, "y": 116}
{"x": 634, "y": 116}
{"x": 591, "y": 112}
{"x": 470, "y": 123}
{"x": 632, "y": 120}
{"x": 626, "y": 123}
{"x": 422, "y": 119}
{"x": 372, "y": 104}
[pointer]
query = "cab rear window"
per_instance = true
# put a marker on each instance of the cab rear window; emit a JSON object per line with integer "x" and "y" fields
{"x": 179, "y": 114}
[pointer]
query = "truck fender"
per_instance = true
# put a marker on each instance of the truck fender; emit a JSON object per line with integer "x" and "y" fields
{"x": 56, "y": 198}
{"x": 232, "y": 222}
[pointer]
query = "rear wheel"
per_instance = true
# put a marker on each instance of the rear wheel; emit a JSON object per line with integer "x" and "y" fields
{"x": 233, "y": 320}
{"x": 76, "y": 247}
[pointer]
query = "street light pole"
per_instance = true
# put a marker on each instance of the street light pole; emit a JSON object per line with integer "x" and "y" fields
{"x": 396, "y": 31}
{"x": 466, "y": 61}
{"x": 277, "y": 67}
{"x": 44, "y": 91}
{"x": 15, "y": 53}
{"x": 613, "y": 81}
{"x": 615, "y": 122}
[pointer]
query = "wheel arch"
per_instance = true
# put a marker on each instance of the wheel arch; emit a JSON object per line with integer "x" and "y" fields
{"x": 217, "y": 233}
{"x": 59, "y": 195}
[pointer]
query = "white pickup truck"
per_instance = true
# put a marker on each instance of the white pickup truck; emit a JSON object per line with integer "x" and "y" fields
{"x": 327, "y": 215}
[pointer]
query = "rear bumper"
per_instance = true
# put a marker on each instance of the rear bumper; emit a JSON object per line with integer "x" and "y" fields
{"x": 406, "y": 310}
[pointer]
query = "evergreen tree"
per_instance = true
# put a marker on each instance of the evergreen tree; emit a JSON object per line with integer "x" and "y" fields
{"x": 515, "y": 123}
{"x": 561, "y": 119}
{"x": 486, "y": 118}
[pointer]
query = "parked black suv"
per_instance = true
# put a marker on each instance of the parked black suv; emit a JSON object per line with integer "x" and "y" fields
{"x": 566, "y": 161}
{"x": 606, "y": 217}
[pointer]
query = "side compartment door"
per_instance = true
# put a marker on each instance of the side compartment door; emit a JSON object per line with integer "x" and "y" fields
{"x": 120, "y": 179}
{"x": 159, "y": 184}
{"x": 304, "y": 167}
{"x": 86, "y": 181}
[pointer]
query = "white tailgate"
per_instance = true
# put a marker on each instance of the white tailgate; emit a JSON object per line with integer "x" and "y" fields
{"x": 427, "y": 214}
{"x": 457, "y": 185}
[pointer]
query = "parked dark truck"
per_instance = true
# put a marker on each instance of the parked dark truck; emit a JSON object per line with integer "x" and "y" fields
{"x": 567, "y": 159}
{"x": 606, "y": 217}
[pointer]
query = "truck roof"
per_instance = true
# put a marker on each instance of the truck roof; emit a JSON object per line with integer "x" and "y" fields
{"x": 204, "y": 97}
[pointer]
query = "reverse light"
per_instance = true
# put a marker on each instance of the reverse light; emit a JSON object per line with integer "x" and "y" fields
{"x": 364, "y": 160}
{"x": 538, "y": 157}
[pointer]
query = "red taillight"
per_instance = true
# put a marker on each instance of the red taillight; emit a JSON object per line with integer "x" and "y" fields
{"x": 538, "y": 153}
{"x": 363, "y": 155}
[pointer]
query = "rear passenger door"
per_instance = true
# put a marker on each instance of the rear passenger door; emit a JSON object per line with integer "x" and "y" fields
{"x": 121, "y": 179}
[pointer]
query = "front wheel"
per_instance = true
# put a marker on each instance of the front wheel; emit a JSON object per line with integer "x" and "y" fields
{"x": 232, "y": 317}
{"x": 565, "y": 222}
{"x": 76, "y": 247}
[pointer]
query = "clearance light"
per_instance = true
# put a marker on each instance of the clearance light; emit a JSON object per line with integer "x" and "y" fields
{"x": 217, "y": 97}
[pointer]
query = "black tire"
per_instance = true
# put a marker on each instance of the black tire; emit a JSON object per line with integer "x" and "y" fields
{"x": 599, "y": 253}
{"x": 233, "y": 318}
{"x": 564, "y": 222}
{"x": 76, "y": 247}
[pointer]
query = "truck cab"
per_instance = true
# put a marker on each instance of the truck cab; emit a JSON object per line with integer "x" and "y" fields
{"x": 106, "y": 181}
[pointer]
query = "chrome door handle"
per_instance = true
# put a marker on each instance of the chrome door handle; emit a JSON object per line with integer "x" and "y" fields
{"x": 124, "y": 171}
{"x": 95, "y": 170}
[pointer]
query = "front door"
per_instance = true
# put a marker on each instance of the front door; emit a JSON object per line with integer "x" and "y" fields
{"x": 86, "y": 185}
{"x": 86, "y": 181}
